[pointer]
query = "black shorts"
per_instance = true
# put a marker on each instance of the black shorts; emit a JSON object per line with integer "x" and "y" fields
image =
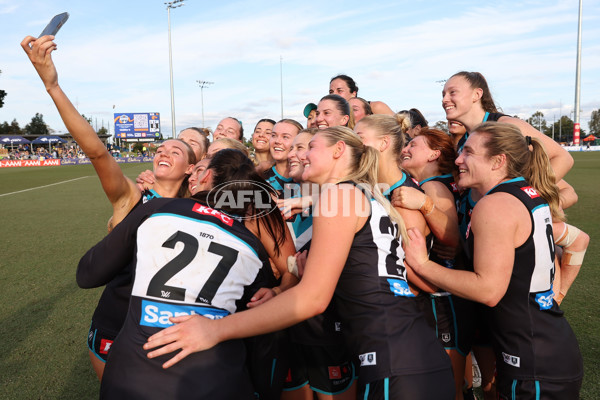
{"x": 437, "y": 385}
{"x": 326, "y": 369}
{"x": 482, "y": 334}
{"x": 99, "y": 341}
{"x": 516, "y": 389}
{"x": 449, "y": 316}
{"x": 268, "y": 363}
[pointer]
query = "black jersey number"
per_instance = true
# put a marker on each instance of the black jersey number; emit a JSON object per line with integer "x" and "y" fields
{"x": 552, "y": 249}
{"x": 158, "y": 287}
{"x": 393, "y": 265}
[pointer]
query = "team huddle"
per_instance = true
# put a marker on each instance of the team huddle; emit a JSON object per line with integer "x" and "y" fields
{"x": 364, "y": 256}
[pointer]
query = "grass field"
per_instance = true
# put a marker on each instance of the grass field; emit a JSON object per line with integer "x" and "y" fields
{"x": 45, "y": 317}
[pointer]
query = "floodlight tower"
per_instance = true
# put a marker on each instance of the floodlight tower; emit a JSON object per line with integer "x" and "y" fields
{"x": 203, "y": 84}
{"x": 172, "y": 4}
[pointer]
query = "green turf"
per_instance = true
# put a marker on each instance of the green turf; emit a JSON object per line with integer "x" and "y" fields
{"x": 45, "y": 317}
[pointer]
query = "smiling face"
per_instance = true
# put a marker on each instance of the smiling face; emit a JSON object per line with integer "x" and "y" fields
{"x": 281, "y": 140}
{"x": 262, "y": 136}
{"x": 229, "y": 128}
{"x": 458, "y": 97}
{"x": 195, "y": 140}
{"x": 172, "y": 160}
{"x": 340, "y": 87}
{"x": 416, "y": 154}
{"x": 318, "y": 160}
{"x": 456, "y": 128}
{"x": 474, "y": 164}
{"x": 329, "y": 115}
{"x": 297, "y": 155}
{"x": 194, "y": 184}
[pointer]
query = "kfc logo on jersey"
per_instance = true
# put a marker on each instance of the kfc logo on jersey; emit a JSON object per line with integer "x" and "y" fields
{"x": 105, "y": 346}
{"x": 200, "y": 209}
{"x": 531, "y": 192}
{"x": 368, "y": 359}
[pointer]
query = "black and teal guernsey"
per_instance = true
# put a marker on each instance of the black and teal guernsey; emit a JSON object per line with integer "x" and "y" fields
{"x": 532, "y": 339}
{"x": 487, "y": 117}
{"x": 448, "y": 181}
{"x": 406, "y": 181}
{"x": 382, "y": 323}
{"x": 189, "y": 259}
{"x": 111, "y": 310}
{"x": 323, "y": 329}
{"x": 277, "y": 181}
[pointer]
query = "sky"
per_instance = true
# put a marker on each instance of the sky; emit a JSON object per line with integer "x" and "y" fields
{"x": 113, "y": 56}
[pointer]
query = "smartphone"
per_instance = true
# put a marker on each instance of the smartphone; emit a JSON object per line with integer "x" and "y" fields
{"x": 55, "y": 24}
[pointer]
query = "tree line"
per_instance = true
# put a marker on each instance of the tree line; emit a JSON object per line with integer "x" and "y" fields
{"x": 36, "y": 127}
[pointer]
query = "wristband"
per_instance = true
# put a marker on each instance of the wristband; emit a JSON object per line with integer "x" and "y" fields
{"x": 427, "y": 207}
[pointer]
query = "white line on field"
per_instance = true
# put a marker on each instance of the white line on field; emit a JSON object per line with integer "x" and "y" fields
{"x": 45, "y": 186}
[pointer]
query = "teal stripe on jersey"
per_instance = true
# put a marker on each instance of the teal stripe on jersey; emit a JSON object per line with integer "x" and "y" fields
{"x": 204, "y": 222}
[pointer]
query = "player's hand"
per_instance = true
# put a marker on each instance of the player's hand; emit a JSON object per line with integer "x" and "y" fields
{"x": 145, "y": 180}
{"x": 408, "y": 197}
{"x": 301, "y": 262}
{"x": 292, "y": 206}
{"x": 39, "y": 53}
{"x": 190, "y": 334}
{"x": 261, "y": 295}
{"x": 416, "y": 250}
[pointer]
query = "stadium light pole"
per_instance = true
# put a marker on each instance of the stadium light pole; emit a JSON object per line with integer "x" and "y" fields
{"x": 203, "y": 84}
{"x": 172, "y": 4}
{"x": 281, "y": 82}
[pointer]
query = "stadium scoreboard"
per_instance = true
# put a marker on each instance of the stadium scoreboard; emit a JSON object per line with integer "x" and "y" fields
{"x": 137, "y": 127}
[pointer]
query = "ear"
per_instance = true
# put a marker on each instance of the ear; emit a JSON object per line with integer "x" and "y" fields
{"x": 206, "y": 176}
{"x": 477, "y": 95}
{"x": 435, "y": 154}
{"x": 345, "y": 119}
{"x": 190, "y": 169}
{"x": 339, "y": 149}
{"x": 499, "y": 161}
{"x": 384, "y": 144}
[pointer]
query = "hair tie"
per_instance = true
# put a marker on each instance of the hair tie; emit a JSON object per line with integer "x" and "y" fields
{"x": 528, "y": 140}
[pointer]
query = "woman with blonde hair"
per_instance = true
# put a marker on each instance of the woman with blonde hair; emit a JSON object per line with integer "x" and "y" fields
{"x": 356, "y": 258}
{"x": 385, "y": 134}
{"x": 512, "y": 249}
